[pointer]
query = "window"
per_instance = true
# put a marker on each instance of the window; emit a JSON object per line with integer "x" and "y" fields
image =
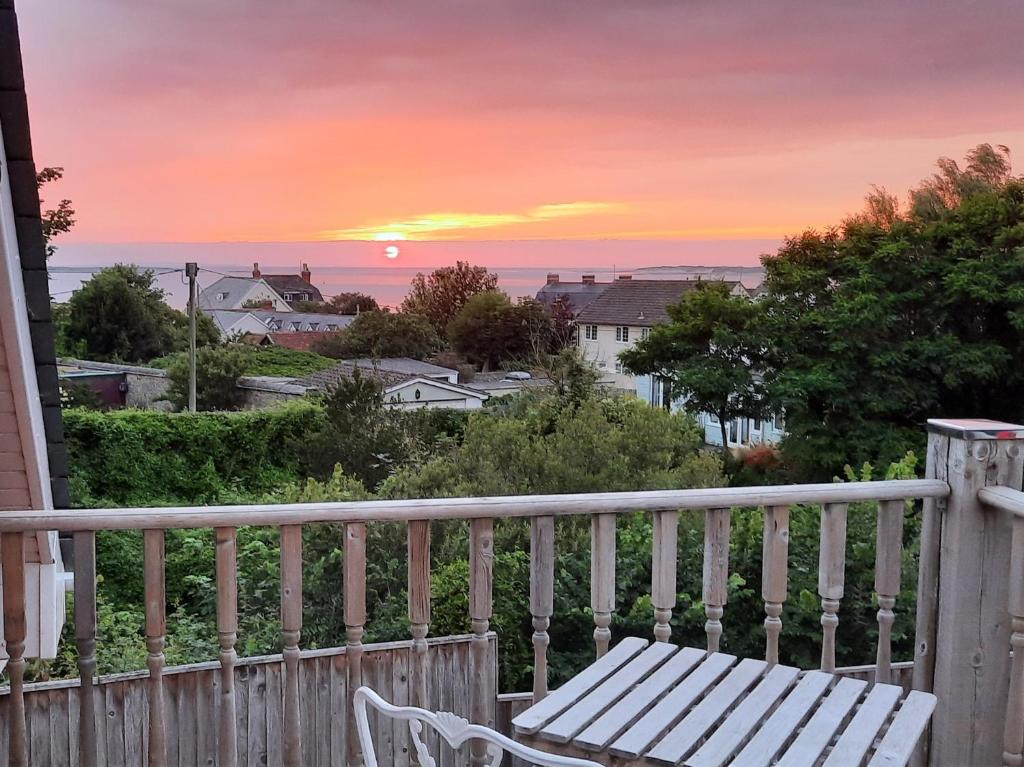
{"x": 590, "y": 332}
{"x": 622, "y": 334}
{"x": 618, "y": 368}
{"x": 296, "y": 326}
{"x": 644, "y": 332}
{"x": 779, "y": 423}
{"x": 757, "y": 424}
{"x": 314, "y": 326}
{"x": 712, "y": 418}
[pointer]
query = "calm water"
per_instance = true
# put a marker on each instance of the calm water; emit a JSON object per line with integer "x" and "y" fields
{"x": 388, "y": 285}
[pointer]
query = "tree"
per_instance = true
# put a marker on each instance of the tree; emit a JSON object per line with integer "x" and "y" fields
{"x": 120, "y": 315}
{"x": 441, "y": 295}
{"x": 217, "y": 374}
{"x": 707, "y": 353}
{"x": 353, "y": 303}
{"x": 56, "y": 221}
{"x": 490, "y": 329}
{"x": 381, "y": 334}
{"x": 873, "y": 327}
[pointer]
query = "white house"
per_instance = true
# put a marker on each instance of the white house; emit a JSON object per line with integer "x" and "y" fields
{"x": 408, "y": 384}
{"x": 240, "y": 292}
{"x": 621, "y": 315}
{"x": 234, "y": 324}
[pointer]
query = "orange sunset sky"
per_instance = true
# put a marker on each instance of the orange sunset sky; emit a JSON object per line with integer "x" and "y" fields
{"x": 196, "y": 121}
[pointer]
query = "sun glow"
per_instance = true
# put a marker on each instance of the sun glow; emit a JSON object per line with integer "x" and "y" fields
{"x": 388, "y": 236}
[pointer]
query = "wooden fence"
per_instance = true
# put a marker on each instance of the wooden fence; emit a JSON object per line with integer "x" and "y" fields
{"x": 192, "y": 708}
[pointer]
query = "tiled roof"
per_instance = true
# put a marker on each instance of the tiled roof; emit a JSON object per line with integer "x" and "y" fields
{"x": 576, "y": 295}
{"x": 326, "y": 379}
{"x": 21, "y": 174}
{"x": 284, "y": 321}
{"x": 405, "y": 366}
{"x": 234, "y": 290}
{"x": 636, "y": 302}
{"x": 292, "y": 283}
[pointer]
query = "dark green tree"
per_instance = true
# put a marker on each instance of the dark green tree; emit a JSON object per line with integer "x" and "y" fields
{"x": 217, "y": 374}
{"x": 440, "y": 295}
{"x": 490, "y": 329}
{"x": 381, "y": 334}
{"x": 120, "y": 315}
{"x": 353, "y": 303}
{"x": 56, "y": 221}
{"x": 895, "y": 317}
{"x": 707, "y": 352}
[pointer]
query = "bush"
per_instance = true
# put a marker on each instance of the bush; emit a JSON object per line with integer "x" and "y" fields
{"x": 277, "y": 361}
{"x": 217, "y": 374}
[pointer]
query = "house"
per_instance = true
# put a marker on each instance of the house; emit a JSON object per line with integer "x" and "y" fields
{"x": 408, "y": 384}
{"x": 33, "y": 459}
{"x": 622, "y": 314}
{"x": 501, "y": 383}
{"x": 292, "y": 321}
{"x": 291, "y": 287}
{"x": 574, "y": 296}
{"x": 232, "y": 293}
{"x": 234, "y": 323}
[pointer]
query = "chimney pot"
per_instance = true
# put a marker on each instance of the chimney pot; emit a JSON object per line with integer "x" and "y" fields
{"x": 589, "y": 279}
{"x": 256, "y": 270}
{"x": 306, "y": 274}
{"x": 552, "y": 278}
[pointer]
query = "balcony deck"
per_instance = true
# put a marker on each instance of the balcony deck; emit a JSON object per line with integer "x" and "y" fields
{"x": 970, "y": 613}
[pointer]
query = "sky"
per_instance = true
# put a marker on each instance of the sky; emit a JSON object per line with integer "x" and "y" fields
{"x": 579, "y": 123}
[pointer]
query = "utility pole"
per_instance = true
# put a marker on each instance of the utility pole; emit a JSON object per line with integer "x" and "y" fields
{"x": 191, "y": 271}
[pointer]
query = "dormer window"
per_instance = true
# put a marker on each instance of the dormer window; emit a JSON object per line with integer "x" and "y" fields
{"x": 222, "y": 296}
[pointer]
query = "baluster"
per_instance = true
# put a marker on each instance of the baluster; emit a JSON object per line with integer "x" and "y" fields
{"x": 1013, "y": 735}
{"x": 542, "y": 597}
{"x": 774, "y": 576}
{"x": 716, "y": 573}
{"x": 291, "y": 628}
{"x": 831, "y": 577}
{"x": 227, "y": 631}
{"x": 663, "y": 571}
{"x": 419, "y": 606}
{"x": 355, "y": 619}
{"x": 888, "y": 563}
{"x": 481, "y": 577}
{"x": 85, "y": 640}
{"x": 602, "y": 578}
{"x": 156, "y": 629}
{"x": 12, "y": 550}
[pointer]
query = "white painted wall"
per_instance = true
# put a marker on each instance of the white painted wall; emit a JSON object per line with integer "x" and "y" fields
{"x": 430, "y": 395}
{"x": 604, "y": 352}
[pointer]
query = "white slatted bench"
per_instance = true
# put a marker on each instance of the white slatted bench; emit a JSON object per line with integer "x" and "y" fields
{"x": 659, "y": 704}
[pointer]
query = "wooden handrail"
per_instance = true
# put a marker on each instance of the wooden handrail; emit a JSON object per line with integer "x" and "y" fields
{"x": 468, "y": 508}
{"x": 1003, "y": 498}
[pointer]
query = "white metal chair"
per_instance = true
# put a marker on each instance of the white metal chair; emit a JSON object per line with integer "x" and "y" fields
{"x": 453, "y": 729}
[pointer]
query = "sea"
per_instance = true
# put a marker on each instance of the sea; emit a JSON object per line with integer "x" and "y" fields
{"x": 522, "y": 268}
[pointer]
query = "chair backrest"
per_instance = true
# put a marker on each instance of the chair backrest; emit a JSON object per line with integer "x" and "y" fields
{"x": 453, "y": 729}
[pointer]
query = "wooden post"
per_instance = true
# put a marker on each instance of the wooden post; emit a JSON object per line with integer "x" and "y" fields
{"x": 291, "y": 628}
{"x": 12, "y": 551}
{"x": 663, "y": 571}
{"x": 774, "y": 576}
{"x": 888, "y": 567}
{"x": 716, "y": 573}
{"x": 481, "y": 579}
{"x": 227, "y": 633}
{"x": 156, "y": 630}
{"x": 831, "y": 577}
{"x": 1013, "y": 734}
{"x": 971, "y": 624}
{"x": 419, "y": 607}
{"x": 355, "y": 620}
{"x": 85, "y": 640}
{"x": 602, "y": 578}
{"x": 542, "y": 597}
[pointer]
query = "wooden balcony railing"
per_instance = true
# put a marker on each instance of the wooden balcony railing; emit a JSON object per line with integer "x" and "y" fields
{"x": 953, "y": 497}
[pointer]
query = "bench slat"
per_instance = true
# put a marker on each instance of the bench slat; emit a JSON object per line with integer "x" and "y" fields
{"x": 821, "y": 728}
{"x": 900, "y": 741}
{"x": 855, "y": 741}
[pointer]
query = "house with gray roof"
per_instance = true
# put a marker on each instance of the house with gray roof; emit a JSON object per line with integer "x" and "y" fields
{"x": 574, "y": 296}
{"x": 234, "y": 293}
{"x": 403, "y": 390}
{"x": 623, "y": 314}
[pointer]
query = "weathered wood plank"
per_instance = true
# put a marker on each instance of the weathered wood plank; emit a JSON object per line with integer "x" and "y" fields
{"x": 12, "y": 551}
{"x": 542, "y": 596}
{"x": 85, "y": 641}
{"x": 716, "y": 573}
{"x": 291, "y": 627}
{"x": 831, "y": 577}
{"x": 1013, "y": 733}
{"x": 664, "y": 559}
{"x": 774, "y": 576}
{"x": 534, "y": 718}
{"x": 815, "y": 736}
{"x": 156, "y": 630}
{"x": 901, "y": 738}
{"x": 888, "y": 565}
{"x": 664, "y": 715}
{"x": 227, "y": 634}
{"x": 860, "y": 733}
{"x": 602, "y": 578}
{"x": 419, "y": 606}
{"x": 355, "y": 619}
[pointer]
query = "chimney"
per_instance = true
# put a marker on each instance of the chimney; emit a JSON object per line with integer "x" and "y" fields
{"x": 589, "y": 279}
{"x": 305, "y": 273}
{"x": 625, "y": 276}
{"x": 256, "y": 271}
{"x": 552, "y": 278}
